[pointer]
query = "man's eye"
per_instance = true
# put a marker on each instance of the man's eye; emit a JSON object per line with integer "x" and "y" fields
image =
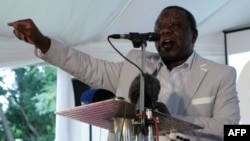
{"x": 158, "y": 27}
{"x": 176, "y": 26}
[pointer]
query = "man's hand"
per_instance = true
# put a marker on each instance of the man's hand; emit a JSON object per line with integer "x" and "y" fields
{"x": 27, "y": 31}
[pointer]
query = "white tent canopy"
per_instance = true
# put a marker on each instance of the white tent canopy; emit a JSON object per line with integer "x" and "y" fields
{"x": 85, "y": 24}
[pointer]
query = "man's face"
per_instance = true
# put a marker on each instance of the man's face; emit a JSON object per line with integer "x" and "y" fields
{"x": 177, "y": 38}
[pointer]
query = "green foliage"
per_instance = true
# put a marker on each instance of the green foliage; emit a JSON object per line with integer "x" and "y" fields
{"x": 32, "y": 104}
{"x": 44, "y": 104}
{"x": 2, "y": 91}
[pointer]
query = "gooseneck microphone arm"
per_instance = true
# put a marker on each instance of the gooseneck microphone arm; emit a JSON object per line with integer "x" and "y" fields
{"x": 137, "y": 38}
{"x": 134, "y": 36}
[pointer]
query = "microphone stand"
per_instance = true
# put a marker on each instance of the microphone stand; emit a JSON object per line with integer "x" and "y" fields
{"x": 145, "y": 116}
{"x": 144, "y": 123}
{"x": 142, "y": 84}
{"x": 141, "y": 42}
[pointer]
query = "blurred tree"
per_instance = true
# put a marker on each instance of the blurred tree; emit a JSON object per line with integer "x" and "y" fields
{"x": 31, "y": 105}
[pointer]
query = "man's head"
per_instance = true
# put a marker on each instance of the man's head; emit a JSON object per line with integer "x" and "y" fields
{"x": 178, "y": 31}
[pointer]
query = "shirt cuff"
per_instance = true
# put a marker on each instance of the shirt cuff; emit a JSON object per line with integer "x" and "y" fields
{"x": 38, "y": 52}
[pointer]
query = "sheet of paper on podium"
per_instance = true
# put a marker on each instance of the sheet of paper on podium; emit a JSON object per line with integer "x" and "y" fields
{"x": 101, "y": 114}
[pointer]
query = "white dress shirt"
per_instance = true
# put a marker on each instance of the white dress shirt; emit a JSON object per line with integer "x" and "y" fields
{"x": 172, "y": 83}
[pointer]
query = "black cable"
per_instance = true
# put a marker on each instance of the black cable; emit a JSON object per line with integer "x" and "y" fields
{"x": 143, "y": 74}
{"x": 125, "y": 57}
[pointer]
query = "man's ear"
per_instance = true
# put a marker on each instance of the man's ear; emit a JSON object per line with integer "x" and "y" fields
{"x": 195, "y": 35}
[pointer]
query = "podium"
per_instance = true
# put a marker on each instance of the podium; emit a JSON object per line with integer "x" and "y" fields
{"x": 102, "y": 114}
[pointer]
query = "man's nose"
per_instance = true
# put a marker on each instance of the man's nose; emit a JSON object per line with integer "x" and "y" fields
{"x": 166, "y": 31}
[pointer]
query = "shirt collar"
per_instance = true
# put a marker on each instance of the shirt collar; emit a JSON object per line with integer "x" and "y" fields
{"x": 188, "y": 62}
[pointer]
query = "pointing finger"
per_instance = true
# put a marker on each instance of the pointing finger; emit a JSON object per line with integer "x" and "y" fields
{"x": 21, "y": 24}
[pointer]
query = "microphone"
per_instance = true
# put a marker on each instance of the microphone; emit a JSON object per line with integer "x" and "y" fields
{"x": 152, "y": 88}
{"x": 150, "y": 36}
{"x": 96, "y": 95}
